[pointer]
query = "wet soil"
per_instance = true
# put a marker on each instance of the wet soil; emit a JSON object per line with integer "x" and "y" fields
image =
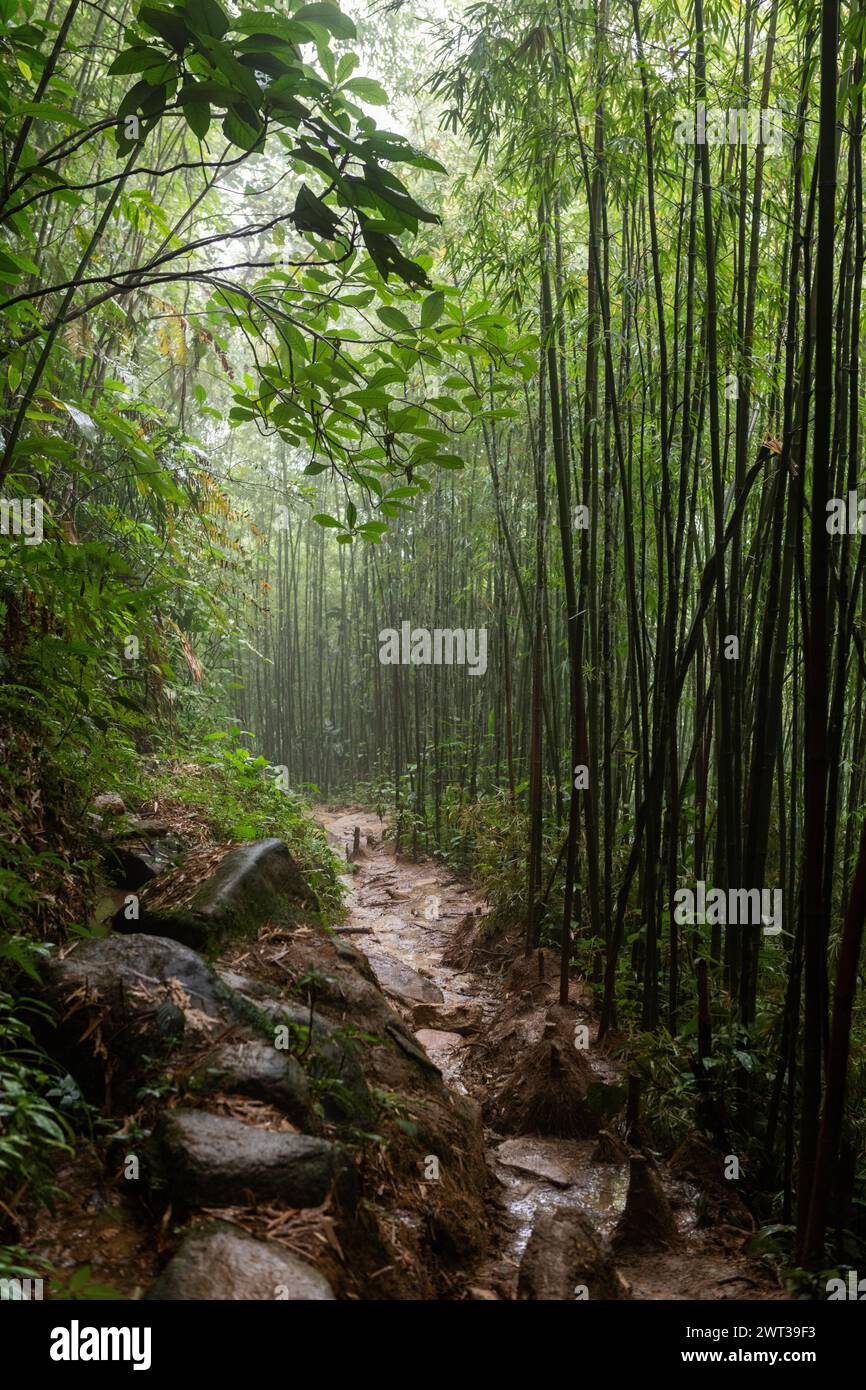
{"x": 476, "y": 1006}
{"x": 403, "y": 915}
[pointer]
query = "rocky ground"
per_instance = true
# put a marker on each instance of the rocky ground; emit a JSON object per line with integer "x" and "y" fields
{"x": 570, "y": 1206}
{"x": 395, "y": 1109}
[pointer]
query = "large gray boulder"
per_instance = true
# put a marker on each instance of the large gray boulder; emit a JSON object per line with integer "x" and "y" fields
{"x": 259, "y": 1070}
{"x": 126, "y": 973}
{"x": 213, "y": 1160}
{"x": 251, "y": 884}
{"x": 405, "y": 983}
{"x": 122, "y": 999}
{"x": 219, "y": 1261}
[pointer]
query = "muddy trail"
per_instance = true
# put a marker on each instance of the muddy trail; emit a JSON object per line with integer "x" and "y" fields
{"x": 480, "y": 1010}
{"x": 433, "y": 1124}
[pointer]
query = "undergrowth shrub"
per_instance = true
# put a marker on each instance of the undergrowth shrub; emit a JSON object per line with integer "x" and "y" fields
{"x": 237, "y": 794}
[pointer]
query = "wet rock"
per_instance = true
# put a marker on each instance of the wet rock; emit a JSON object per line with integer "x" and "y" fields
{"x": 123, "y": 971}
{"x": 609, "y": 1148}
{"x": 261, "y": 1071}
{"x": 564, "y": 1259}
{"x": 345, "y": 980}
{"x": 454, "y": 1018}
{"x": 219, "y": 1261}
{"x": 410, "y": 1048}
{"x": 138, "y": 851}
{"x": 348, "y": 953}
{"x": 247, "y": 985}
{"x": 440, "y": 1047}
{"x": 698, "y": 1162}
{"x": 161, "y": 855}
{"x": 213, "y": 1160}
{"x": 251, "y": 883}
{"x": 648, "y": 1221}
{"x": 329, "y": 1055}
{"x": 402, "y": 982}
{"x": 108, "y": 993}
{"x": 555, "y": 1160}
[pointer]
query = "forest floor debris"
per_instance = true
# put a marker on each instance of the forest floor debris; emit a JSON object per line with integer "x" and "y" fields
{"x": 444, "y": 1212}
{"x": 515, "y": 1003}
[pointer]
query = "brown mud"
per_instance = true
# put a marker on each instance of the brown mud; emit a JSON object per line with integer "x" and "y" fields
{"x": 414, "y": 966}
{"x": 421, "y": 928}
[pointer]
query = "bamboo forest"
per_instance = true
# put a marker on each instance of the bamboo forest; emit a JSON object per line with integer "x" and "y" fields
{"x": 433, "y": 659}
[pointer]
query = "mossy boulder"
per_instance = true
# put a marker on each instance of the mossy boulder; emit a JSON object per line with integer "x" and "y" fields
{"x": 252, "y": 883}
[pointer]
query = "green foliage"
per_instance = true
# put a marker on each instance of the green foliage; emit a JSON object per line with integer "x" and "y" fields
{"x": 36, "y": 1103}
{"x": 232, "y": 303}
{"x": 18, "y": 1263}
{"x": 238, "y": 797}
{"x": 489, "y": 838}
{"x": 740, "y": 1074}
{"x": 80, "y": 1286}
{"x": 390, "y": 1104}
{"x": 669, "y": 1091}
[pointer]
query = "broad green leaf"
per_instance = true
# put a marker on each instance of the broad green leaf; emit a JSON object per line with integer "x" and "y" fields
{"x": 239, "y": 131}
{"x": 387, "y": 376}
{"x": 44, "y": 111}
{"x": 371, "y": 397}
{"x": 346, "y": 66}
{"x": 432, "y": 308}
{"x": 312, "y": 215}
{"x": 169, "y": 24}
{"x": 277, "y": 26}
{"x": 392, "y": 317}
{"x": 330, "y": 17}
{"x": 84, "y": 422}
{"x": 206, "y": 17}
{"x": 368, "y": 90}
{"x": 198, "y": 117}
{"x": 137, "y": 59}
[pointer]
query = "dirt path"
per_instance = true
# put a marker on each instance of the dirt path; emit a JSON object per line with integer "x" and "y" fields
{"x": 403, "y": 915}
